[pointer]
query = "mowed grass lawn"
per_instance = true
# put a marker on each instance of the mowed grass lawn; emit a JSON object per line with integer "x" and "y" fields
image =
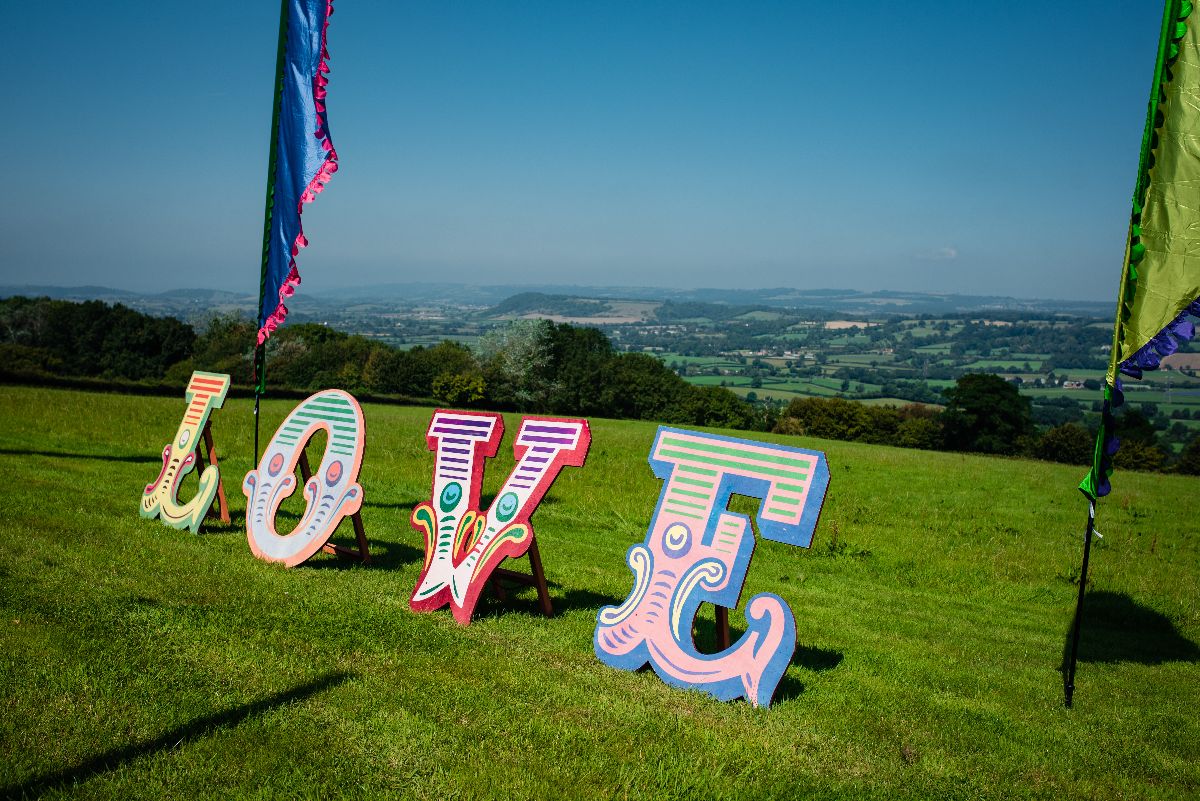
{"x": 138, "y": 661}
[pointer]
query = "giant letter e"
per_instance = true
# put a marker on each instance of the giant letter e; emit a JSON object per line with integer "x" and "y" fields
{"x": 697, "y": 551}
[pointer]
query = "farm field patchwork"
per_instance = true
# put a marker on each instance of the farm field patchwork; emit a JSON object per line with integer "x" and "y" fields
{"x": 931, "y": 611}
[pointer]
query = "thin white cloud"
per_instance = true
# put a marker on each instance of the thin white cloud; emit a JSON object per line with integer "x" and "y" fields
{"x": 945, "y": 253}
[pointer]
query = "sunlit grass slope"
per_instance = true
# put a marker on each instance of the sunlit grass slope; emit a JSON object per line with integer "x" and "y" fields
{"x": 137, "y": 661}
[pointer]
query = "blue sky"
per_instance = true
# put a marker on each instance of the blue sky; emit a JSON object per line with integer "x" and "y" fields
{"x": 972, "y": 148}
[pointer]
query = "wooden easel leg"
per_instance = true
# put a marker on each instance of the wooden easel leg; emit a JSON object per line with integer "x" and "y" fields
{"x": 220, "y": 507}
{"x": 222, "y": 503}
{"x": 537, "y": 580}
{"x": 364, "y": 552}
{"x": 722, "y": 628}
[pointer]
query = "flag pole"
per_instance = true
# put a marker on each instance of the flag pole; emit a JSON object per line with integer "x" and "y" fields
{"x": 1069, "y": 677}
{"x": 1095, "y": 483}
{"x": 260, "y": 349}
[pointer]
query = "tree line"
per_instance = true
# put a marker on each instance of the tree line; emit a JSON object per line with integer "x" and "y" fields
{"x": 541, "y": 367}
{"x": 983, "y": 413}
{"x": 530, "y": 366}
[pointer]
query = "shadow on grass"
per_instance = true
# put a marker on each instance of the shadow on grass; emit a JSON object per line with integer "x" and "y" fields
{"x": 523, "y": 600}
{"x": 194, "y": 730}
{"x": 104, "y": 457}
{"x": 213, "y": 525}
{"x": 818, "y": 660}
{"x": 1118, "y": 629}
{"x": 212, "y": 522}
{"x": 407, "y": 505}
{"x": 575, "y": 600}
{"x": 386, "y": 555}
{"x": 815, "y": 659}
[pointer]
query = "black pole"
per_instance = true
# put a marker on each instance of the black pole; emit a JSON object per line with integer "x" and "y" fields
{"x": 256, "y": 397}
{"x": 1069, "y": 687}
{"x": 260, "y": 351}
{"x": 260, "y": 388}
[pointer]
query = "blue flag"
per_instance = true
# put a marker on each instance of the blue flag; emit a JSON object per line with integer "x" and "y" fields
{"x": 303, "y": 154}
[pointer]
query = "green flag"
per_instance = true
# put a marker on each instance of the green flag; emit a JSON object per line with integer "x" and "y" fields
{"x": 1160, "y": 285}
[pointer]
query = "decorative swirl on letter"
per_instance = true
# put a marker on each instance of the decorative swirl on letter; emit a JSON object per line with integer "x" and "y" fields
{"x": 641, "y": 562}
{"x": 707, "y": 574}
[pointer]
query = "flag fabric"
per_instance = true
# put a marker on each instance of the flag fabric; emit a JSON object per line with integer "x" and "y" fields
{"x": 1160, "y": 285}
{"x": 302, "y": 152}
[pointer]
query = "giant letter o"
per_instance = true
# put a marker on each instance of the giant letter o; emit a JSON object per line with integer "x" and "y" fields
{"x": 331, "y": 493}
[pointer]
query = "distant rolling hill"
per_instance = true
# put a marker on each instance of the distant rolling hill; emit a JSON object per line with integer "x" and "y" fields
{"x": 569, "y": 301}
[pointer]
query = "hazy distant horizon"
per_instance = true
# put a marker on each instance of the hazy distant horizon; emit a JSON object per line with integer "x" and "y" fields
{"x": 629, "y": 292}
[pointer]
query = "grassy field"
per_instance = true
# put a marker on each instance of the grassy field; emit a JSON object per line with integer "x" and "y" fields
{"x": 137, "y": 661}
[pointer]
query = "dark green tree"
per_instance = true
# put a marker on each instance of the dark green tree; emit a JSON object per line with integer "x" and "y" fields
{"x": 641, "y": 387}
{"x": 226, "y": 346}
{"x": 1189, "y": 459}
{"x": 828, "y": 418}
{"x": 1134, "y": 426}
{"x": 1069, "y": 443}
{"x": 986, "y": 414}
{"x": 579, "y": 359}
{"x": 95, "y": 339}
{"x": 716, "y": 407}
{"x": 919, "y": 432}
{"x": 1138, "y": 454}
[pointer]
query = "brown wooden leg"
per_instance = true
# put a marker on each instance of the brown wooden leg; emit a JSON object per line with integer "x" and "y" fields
{"x": 539, "y": 578}
{"x": 364, "y": 550}
{"x": 722, "y": 628}
{"x": 305, "y": 470}
{"x": 363, "y": 554}
{"x": 222, "y": 503}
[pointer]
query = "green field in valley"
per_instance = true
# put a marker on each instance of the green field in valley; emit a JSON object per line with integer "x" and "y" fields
{"x": 138, "y": 661}
{"x": 782, "y": 379}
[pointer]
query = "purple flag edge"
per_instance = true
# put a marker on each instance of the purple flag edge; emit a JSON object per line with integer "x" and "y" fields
{"x": 329, "y": 165}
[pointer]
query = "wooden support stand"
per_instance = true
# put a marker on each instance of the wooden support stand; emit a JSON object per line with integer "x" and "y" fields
{"x": 723, "y": 642}
{"x": 363, "y": 554}
{"x": 205, "y": 456}
{"x": 537, "y": 579}
{"x": 721, "y": 636}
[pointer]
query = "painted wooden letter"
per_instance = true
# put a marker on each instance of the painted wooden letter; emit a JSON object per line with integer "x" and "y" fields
{"x": 331, "y": 494}
{"x": 462, "y": 544}
{"x": 205, "y": 392}
{"x": 697, "y": 551}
